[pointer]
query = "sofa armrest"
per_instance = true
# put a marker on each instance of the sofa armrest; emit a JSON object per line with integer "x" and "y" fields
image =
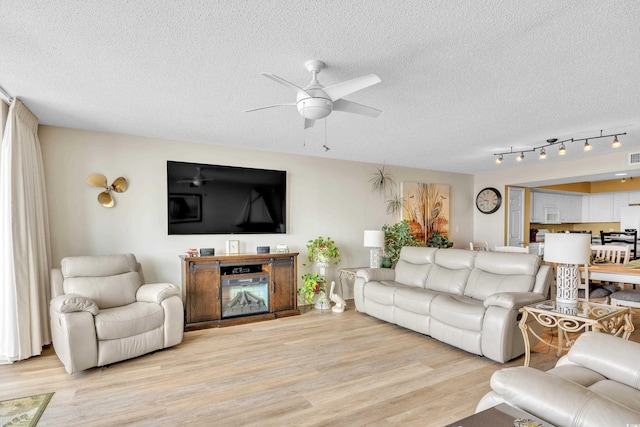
{"x": 557, "y": 400}
{"x": 156, "y": 292}
{"x": 376, "y": 274}
{"x": 513, "y": 300}
{"x": 72, "y": 303}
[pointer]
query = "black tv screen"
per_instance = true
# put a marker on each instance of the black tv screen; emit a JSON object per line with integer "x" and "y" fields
{"x": 214, "y": 199}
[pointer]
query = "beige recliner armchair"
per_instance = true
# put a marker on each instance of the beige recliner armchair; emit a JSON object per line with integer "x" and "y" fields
{"x": 102, "y": 312}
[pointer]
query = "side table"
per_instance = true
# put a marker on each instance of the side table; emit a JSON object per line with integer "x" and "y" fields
{"x": 346, "y": 278}
{"x": 574, "y": 319}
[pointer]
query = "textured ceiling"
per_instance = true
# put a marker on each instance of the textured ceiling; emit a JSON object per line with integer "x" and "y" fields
{"x": 460, "y": 80}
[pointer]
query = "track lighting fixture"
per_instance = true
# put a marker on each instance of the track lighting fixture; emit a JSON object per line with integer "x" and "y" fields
{"x": 326, "y": 148}
{"x": 563, "y": 149}
{"x": 616, "y": 143}
{"x": 623, "y": 180}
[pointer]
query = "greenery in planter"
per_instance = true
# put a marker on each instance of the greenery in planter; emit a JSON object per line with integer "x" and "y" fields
{"x": 313, "y": 284}
{"x": 395, "y": 237}
{"x": 436, "y": 240}
{"x": 323, "y": 250}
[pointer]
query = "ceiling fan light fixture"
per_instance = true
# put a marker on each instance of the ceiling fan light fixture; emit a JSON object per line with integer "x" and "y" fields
{"x": 616, "y": 142}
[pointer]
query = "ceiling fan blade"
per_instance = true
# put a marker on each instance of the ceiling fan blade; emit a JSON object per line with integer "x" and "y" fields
{"x": 308, "y": 123}
{"x": 97, "y": 180}
{"x": 119, "y": 185}
{"x": 105, "y": 199}
{"x": 286, "y": 83}
{"x": 354, "y": 107}
{"x": 339, "y": 90}
{"x": 271, "y": 106}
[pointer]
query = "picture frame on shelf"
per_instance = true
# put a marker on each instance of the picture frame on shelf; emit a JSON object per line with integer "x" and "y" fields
{"x": 232, "y": 247}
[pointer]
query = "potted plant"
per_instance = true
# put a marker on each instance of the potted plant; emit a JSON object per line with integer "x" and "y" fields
{"x": 313, "y": 285}
{"x": 436, "y": 240}
{"x": 395, "y": 237}
{"x": 323, "y": 250}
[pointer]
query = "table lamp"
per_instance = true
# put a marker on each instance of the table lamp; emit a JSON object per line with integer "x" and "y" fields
{"x": 569, "y": 249}
{"x": 374, "y": 239}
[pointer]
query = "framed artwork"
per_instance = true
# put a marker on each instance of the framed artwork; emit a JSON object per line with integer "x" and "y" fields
{"x": 185, "y": 208}
{"x": 426, "y": 208}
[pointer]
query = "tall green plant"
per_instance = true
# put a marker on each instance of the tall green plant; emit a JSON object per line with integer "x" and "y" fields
{"x": 395, "y": 237}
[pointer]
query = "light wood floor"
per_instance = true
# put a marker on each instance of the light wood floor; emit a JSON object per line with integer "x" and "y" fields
{"x": 311, "y": 370}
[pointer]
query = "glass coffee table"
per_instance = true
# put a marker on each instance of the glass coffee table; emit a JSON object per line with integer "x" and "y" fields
{"x": 582, "y": 317}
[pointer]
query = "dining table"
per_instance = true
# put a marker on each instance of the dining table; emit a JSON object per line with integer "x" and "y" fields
{"x": 617, "y": 273}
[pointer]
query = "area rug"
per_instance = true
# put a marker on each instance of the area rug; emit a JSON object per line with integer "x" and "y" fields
{"x": 24, "y": 411}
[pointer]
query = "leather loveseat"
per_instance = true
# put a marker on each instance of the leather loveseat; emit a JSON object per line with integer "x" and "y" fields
{"x": 102, "y": 312}
{"x": 597, "y": 383}
{"x": 464, "y": 298}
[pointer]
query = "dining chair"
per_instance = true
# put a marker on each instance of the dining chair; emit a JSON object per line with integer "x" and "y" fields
{"x": 518, "y": 249}
{"x": 613, "y": 254}
{"x": 479, "y": 246}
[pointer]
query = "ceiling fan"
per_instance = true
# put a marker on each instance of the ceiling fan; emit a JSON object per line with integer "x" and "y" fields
{"x": 197, "y": 180}
{"x": 316, "y": 101}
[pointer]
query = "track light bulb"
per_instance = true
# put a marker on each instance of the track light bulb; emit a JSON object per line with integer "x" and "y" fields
{"x": 520, "y": 157}
{"x": 499, "y": 159}
{"x": 587, "y": 146}
{"x": 562, "y": 151}
{"x": 616, "y": 143}
{"x": 543, "y": 154}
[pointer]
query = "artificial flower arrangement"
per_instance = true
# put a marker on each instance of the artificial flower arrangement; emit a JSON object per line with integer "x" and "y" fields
{"x": 323, "y": 250}
{"x": 313, "y": 285}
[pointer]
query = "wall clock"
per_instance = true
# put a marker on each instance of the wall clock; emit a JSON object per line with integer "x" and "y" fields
{"x": 488, "y": 200}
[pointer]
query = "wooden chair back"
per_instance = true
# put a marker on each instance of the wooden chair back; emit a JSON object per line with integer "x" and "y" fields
{"x": 614, "y": 254}
{"x": 479, "y": 246}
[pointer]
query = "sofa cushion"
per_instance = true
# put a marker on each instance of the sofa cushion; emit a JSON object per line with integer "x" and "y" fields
{"x": 412, "y": 274}
{"x": 621, "y": 393}
{"x": 414, "y": 300}
{"x": 129, "y": 320}
{"x": 106, "y": 292}
{"x": 381, "y": 293}
{"x": 96, "y": 266}
{"x": 497, "y": 272}
{"x": 577, "y": 374}
{"x": 458, "y": 311}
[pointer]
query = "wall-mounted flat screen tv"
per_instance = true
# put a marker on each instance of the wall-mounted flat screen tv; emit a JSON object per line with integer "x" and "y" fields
{"x": 215, "y": 199}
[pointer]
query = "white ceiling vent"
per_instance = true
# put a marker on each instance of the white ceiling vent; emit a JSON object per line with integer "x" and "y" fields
{"x": 634, "y": 159}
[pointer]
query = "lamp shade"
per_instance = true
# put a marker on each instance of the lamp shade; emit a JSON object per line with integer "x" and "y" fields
{"x": 373, "y": 239}
{"x": 567, "y": 248}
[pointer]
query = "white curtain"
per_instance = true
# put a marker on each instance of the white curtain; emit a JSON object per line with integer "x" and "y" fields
{"x": 25, "y": 255}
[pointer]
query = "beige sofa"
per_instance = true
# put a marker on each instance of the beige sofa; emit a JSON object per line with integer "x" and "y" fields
{"x": 596, "y": 384}
{"x": 464, "y": 298}
{"x": 102, "y": 312}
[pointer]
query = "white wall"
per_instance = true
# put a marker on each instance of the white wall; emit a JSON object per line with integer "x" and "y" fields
{"x": 325, "y": 197}
{"x": 490, "y": 228}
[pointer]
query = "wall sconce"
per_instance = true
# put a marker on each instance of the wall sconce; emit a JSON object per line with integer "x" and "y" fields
{"x": 105, "y": 198}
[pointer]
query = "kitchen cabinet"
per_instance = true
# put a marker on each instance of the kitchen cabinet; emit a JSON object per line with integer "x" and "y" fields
{"x": 568, "y": 205}
{"x": 599, "y": 207}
